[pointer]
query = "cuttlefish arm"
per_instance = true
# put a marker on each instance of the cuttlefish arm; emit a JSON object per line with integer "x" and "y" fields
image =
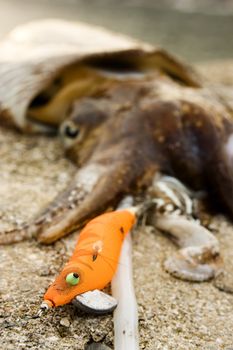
{"x": 103, "y": 192}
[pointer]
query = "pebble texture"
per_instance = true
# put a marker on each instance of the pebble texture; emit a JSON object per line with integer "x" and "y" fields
{"x": 173, "y": 314}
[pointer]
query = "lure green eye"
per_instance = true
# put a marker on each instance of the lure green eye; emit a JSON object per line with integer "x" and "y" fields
{"x": 72, "y": 278}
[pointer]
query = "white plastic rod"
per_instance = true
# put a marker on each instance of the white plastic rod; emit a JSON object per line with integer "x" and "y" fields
{"x": 126, "y": 314}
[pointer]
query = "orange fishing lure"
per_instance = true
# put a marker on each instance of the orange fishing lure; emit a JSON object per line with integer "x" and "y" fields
{"x": 95, "y": 258}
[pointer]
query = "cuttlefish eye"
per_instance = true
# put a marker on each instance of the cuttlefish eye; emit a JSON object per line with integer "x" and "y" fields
{"x": 72, "y": 278}
{"x": 71, "y": 131}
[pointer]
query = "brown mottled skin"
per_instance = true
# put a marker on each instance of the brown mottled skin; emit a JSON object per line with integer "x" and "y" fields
{"x": 134, "y": 129}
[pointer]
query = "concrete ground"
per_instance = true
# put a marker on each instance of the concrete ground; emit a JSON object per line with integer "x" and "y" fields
{"x": 172, "y": 314}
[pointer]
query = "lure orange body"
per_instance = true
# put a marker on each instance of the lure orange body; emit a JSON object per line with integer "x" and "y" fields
{"x": 95, "y": 258}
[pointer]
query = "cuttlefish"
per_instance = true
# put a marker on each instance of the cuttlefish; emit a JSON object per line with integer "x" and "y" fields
{"x": 126, "y": 113}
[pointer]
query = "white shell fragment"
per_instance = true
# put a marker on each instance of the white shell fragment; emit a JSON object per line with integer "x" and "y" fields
{"x": 95, "y": 302}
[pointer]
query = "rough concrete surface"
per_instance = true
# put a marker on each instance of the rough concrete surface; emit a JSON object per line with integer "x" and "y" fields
{"x": 172, "y": 314}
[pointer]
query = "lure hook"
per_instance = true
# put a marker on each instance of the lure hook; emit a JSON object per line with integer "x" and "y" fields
{"x": 44, "y": 307}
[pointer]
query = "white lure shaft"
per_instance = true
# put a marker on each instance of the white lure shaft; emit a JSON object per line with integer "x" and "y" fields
{"x": 126, "y": 314}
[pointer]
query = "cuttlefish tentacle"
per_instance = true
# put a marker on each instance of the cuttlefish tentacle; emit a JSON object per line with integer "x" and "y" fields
{"x": 199, "y": 257}
{"x": 174, "y": 213}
